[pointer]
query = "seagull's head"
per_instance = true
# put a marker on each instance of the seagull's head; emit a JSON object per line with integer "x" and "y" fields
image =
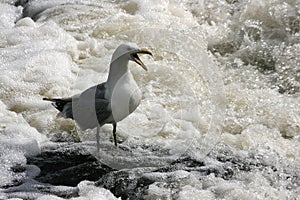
{"x": 130, "y": 52}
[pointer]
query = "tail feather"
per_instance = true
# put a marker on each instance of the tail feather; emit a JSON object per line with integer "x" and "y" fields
{"x": 59, "y": 104}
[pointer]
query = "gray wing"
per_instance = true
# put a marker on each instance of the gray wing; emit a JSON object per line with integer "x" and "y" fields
{"x": 91, "y": 108}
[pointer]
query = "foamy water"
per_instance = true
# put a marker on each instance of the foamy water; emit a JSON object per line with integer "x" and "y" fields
{"x": 222, "y": 73}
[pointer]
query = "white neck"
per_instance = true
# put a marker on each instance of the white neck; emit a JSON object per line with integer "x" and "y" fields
{"x": 118, "y": 68}
{"x": 119, "y": 76}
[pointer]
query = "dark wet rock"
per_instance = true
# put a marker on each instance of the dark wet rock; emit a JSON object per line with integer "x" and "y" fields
{"x": 18, "y": 168}
{"x": 34, "y": 8}
{"x": 21, "y": 2}
{"x": 15, "y": 182}
{"x": 68, "y": 165}
{"x": 127, "y": 184}
{"x": 183, "y": 163}
{"x": 133, "y": 183}
{"x": 65, "y": 192}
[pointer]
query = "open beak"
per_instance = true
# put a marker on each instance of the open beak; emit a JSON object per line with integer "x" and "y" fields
{"x": 138, "y": 60}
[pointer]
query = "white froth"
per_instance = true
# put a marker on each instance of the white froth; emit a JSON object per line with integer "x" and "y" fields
{"x": 17, "y": 140}
{"x": 9, "y": 158}
{"x": 17, "y": 133}
{"x": 193, "y": 193}
{"x": 87, "y": 190}
{"x": 8, "y": 15}
{"x": 49, "y": 197}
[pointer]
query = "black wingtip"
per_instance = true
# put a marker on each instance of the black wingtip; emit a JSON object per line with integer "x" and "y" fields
{"x": 53, "y": 100}
{"x": 48, "y": 99}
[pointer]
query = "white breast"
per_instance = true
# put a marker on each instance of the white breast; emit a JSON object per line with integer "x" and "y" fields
{"x": 125, "y": 97}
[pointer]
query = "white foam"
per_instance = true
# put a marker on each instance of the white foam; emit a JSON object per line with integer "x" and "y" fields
{"x": 265, "y": 124}
{"x": 8, "y": 15}
{"x": 193, "y": 193}
{"x": 9, "y": 158}
{"x": 49, "y": 197}
{"x": 247, "y": 186}
{"x": 18, "y": 134}
{"x": 87, "y": 190}
{"x": 17, "y": 140}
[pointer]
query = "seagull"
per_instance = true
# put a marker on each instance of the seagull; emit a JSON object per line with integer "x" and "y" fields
{"x": 110, "y": 101}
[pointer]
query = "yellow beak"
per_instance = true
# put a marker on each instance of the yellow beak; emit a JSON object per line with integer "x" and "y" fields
{"x": 138, "y": 60}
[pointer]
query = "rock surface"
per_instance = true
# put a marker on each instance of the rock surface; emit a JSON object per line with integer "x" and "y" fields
{"x": 64, "y": 166}
{"x": 68, "y": 165}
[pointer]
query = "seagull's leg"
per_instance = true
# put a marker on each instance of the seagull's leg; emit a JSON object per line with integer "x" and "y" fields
{"x": 98, "y": 138}
{"x": 114, "y": 133}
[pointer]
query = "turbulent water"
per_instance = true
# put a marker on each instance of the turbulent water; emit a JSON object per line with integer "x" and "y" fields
{"x": 224, "y": 81}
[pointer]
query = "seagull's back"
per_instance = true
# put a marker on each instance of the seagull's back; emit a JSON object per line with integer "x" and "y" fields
{"x": 89, "y": 109}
